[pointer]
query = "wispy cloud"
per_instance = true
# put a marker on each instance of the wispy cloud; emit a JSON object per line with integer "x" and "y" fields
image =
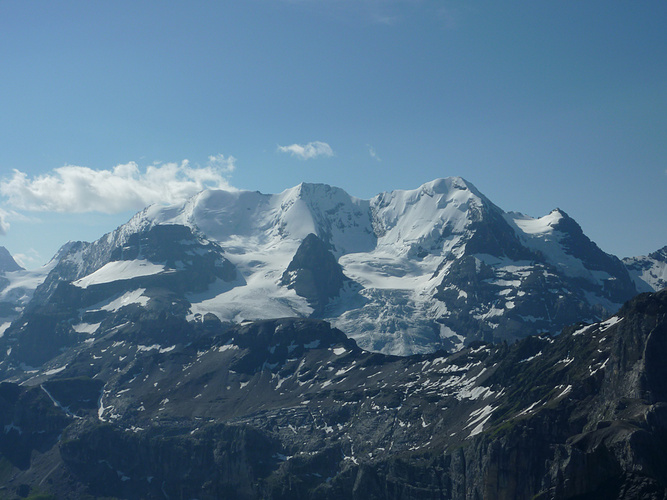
{"x": 373, "y": 153}
{"x": 386, "y": 19}
{"x": 219, "y": 162}
{"x": 449, "y": 17}
{"x": 124, "y": 187}
{"x": 308, "y": 151}
{"x": 4, "y": 225}
{"x": 28, "y": 260}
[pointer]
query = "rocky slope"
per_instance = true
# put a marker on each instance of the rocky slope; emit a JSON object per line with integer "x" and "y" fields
{"x": 159, "y": 407}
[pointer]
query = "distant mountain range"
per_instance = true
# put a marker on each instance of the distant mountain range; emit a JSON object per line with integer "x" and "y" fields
{"x": 244, "y": 345}
{"x": 405, "y": 272}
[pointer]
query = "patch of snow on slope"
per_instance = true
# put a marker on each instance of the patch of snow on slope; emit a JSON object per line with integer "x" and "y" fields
{"x": 605, "y": 325}
{"x": 86, "y": 327}
{"x": 119, "y": 270}
{"x": 133, "y": 297}
{"x": 53, "y": 371}
{"x": 543, "y": 225}
{"x": 113, "y": 305}
{"x": 479, "y": 417}
{"x": 3, "y": 327}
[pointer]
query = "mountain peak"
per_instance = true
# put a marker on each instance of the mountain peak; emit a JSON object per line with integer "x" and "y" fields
{"x": 315, "y": 192}
{"x": 7, "y": 262}
{"x": 445, "y": 184}
{"x": 660, "y": 255}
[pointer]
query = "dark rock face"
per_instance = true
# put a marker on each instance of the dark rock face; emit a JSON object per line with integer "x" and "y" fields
{"x": 543, "y": 300}
{"x": 291, "y": 408}
{"x": 314, "y": 274}
{"x": 177, "y": 248}
{"x": 30, "y": 423}
{"x": 7, "y": 262}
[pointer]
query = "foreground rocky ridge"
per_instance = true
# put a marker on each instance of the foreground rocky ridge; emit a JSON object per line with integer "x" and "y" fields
{"x": 159, "y": 407}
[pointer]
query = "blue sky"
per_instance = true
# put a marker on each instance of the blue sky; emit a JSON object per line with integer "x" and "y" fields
{"x": 108, "y": 106}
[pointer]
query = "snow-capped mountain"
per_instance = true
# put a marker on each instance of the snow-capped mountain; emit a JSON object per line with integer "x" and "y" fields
{"x": 432, "y": 268}
{"x": 428, "y": 268}
{"x": 649, "y": 272}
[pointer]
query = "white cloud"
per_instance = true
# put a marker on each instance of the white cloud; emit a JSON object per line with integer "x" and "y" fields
{"x": 222, "y": 164}
{"x": 373, "y": 153}
{"x": 28, "y": 260}
{"x": 4, "y": 225}
{"x": 124, "y": 187}
{"x": 308, "y": 151}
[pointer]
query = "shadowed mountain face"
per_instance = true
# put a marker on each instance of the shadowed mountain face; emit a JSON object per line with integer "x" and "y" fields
{"x": 292, "y": 408}
{"x": 7, "y": 262}
{"x": 314, "y": 274}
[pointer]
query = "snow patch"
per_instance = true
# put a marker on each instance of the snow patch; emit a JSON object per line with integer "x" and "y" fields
{"x": 119, "y": 270}
{"x": 479, "y": 418}
{"x": 605, "y": 325}
{"x": 86, "y": 327}
{"x": 3, "y": 327}
{"x": 53, "y": 371}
